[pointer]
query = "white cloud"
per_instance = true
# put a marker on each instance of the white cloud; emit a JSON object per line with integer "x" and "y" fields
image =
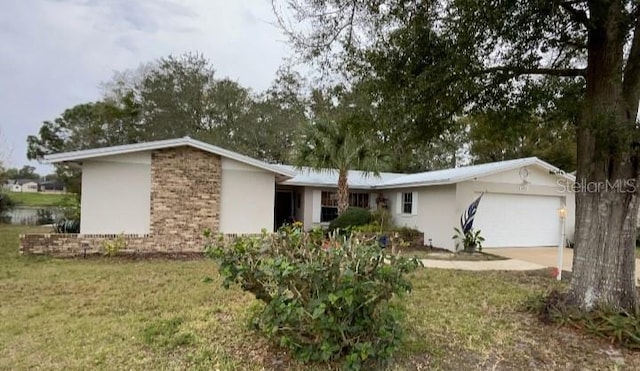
{"x": 55, "y": 53}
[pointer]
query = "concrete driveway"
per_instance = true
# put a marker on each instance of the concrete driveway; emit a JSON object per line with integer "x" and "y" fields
{"x": 547, "y": 256}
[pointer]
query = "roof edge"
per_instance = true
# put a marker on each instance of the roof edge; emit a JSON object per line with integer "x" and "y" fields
{"x": 162, "y": 144}
{"x": 527, "y": 161}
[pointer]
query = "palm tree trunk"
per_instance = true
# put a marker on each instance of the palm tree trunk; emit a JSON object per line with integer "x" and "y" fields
{"x": 343, "y": 192}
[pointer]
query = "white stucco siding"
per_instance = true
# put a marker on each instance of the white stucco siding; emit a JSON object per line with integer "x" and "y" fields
{"x": 246, "y": 198}
{"x": 531, "y": 174}
{"x": 434, "y": 215}
{"x": 116, "y": 193}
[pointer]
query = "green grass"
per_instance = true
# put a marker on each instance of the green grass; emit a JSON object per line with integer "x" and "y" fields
{"x": 112, "y": 314}
{"x": 36, "y": 198}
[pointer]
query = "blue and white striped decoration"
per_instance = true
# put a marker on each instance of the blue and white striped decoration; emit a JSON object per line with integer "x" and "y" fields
{"x": 466, "y": 220}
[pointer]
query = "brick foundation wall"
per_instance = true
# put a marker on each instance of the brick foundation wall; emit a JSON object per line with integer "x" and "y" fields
{"x": 185, "y": 200}
{"x": 72, "y": 245}
{"x": 69, "y": 245}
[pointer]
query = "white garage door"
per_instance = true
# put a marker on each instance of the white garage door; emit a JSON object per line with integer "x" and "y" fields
{"x": 508, "y": 220}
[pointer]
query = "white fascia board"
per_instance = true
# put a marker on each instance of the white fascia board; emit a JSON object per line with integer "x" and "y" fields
{"x": 162, "y": 144}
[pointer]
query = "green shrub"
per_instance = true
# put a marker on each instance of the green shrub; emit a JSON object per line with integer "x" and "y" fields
{"x": 324, "y": 299}
{"x": 373, "y": 227}
{"x": 382, "y": 218}
{"x": 408, "y": 233}
{"x": 70, "y": 206}
{"x": 113, "y": 247}
{"x": 6, "y": 205}
{"x": 352, "y": 217}
{"x": 468, "y": 241}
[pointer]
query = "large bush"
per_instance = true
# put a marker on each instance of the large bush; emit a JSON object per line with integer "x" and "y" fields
{"x": 352, "y": 217}
{"x": 324, "y": 299}
{"x": 70, "y": 206}
{"x": 6, "y": 205}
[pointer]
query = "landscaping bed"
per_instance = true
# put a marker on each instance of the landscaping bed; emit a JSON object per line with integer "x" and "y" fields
{"x": 439, "y": 254}
{"x": 105, "y": 314}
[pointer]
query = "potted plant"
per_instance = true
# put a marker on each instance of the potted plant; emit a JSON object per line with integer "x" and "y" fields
{"x": 469, "y": 242}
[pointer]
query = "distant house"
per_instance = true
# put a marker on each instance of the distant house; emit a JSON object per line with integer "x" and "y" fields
{"x": 11, "y": 186}
{"x": 21, "y": 185}
{"x": 52, "y": 186}
{"x": 28, "y": 185}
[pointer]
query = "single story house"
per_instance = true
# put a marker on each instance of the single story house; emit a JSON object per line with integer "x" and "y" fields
{"x": 51, "y": 186}
{"x": 21, "y": 185}
{"x": 11, "y": 186}
{"x": 162, "y": 195}
{"x": 520, "y": 205}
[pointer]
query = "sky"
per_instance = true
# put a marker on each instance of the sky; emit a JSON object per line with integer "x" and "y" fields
{"x": 54, "y": 54}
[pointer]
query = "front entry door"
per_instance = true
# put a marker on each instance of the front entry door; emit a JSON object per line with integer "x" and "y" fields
{"x": 284, "y": 208}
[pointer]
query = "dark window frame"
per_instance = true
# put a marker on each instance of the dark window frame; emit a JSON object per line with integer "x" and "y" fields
{"x": 329, "y": 203}
{"x": 407, "y": 202}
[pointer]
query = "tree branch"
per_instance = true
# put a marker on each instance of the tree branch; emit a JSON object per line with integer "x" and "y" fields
{"x": 568, "y": 72}
{"x": 577, "y": 15}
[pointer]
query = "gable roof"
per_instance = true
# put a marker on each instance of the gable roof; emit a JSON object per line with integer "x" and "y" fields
{"x": 459, "y": 174}
{"x": 86, "y": 154}
{"x": 357, "y": 179}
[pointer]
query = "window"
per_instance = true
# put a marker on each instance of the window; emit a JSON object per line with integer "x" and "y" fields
{"x": 359, "y": 200}
{"x": 407, "y": 203}
{"x": 329, "y": 204}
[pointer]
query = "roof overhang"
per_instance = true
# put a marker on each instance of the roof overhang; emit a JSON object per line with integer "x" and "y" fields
{"x": 79, "y": 156}
{"x": 531, "y": 161}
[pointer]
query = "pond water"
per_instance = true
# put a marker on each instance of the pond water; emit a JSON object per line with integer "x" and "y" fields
{"x": 29, "y": 215}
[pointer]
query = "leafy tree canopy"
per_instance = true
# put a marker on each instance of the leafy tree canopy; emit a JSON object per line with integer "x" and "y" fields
{"x": 175, "y": 97}
{"x": 26, "y": 172}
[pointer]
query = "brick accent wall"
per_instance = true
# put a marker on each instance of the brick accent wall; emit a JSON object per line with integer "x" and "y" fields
{"x": 185, "y": 200}
{"x": 185, "y": 196}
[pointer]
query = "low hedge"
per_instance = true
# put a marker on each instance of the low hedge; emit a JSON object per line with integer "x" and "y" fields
{"x": 352, "y": 217}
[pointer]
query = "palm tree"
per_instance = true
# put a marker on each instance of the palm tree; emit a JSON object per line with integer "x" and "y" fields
{"x": 329, "y": 145}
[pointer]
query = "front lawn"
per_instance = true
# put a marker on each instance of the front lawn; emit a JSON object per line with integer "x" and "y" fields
{"x": 109, "y": 314}
{"x": 36, "y": 198}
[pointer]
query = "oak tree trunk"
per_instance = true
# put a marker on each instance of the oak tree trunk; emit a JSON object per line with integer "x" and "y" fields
{"x": 607, "y": 172}
{"x": 343, "y": 191}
